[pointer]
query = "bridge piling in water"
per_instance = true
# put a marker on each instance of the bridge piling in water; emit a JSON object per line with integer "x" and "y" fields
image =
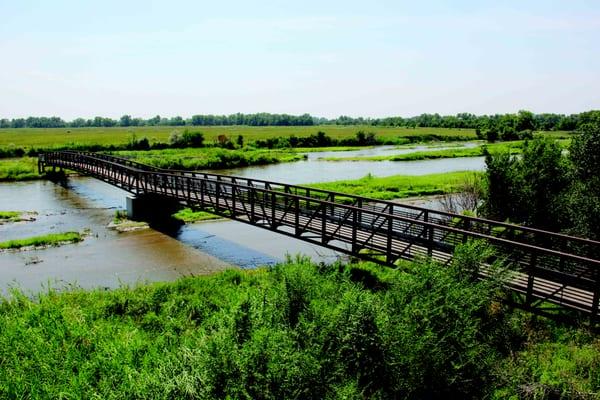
{"x": 149, "y": 207}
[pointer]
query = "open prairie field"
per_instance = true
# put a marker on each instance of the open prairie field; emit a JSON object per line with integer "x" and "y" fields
{"x": 48, "y": 137}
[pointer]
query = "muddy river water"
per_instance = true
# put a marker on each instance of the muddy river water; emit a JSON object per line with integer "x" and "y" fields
{"x": 108, "y": 259}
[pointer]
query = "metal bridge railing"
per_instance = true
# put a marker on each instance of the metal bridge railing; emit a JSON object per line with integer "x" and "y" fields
{"x": 546, "y": 266}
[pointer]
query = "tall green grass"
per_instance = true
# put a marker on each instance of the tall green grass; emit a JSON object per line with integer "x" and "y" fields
{"x": 294, "y": 331}
{"x": 18, "y": 169}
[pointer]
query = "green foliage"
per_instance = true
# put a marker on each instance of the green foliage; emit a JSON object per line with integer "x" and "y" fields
{"x": 188, "y": 215}
{"x": 526, "y": 189}
{"x": 544, "y": 189}
{"x": 296, "y": 331}
{"x": 137, "y": 144}
{"x": 18, "y": 169}
{"x": 52, "y": 239}
{"x": 583, "y": 200}
{"x": 186, "y": 139}
{"x": 549, "y": 361}
{"x": 32, "y": 140}
{"x": 9, "y": 215}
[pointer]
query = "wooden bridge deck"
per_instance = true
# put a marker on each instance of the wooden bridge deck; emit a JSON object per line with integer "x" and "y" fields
{"x": 545, "y": 267}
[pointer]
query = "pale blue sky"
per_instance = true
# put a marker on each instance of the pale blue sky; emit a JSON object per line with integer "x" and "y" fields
{"x": 360, "y": 58}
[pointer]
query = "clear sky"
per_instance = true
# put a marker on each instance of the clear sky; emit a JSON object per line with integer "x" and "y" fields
{"x": 327, "y": 58}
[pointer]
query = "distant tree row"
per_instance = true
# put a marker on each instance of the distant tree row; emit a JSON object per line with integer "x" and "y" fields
{"x": 259, "y": 119}
{"x": 499, "y": 124}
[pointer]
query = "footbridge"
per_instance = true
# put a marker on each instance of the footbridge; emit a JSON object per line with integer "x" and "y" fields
{"x": 549, "y": 272}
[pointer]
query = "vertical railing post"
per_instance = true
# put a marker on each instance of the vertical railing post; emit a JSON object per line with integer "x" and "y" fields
{"x": 355, "y": 212}
{"x": 202, "y": 190}
{"x": 189, "y": 189}
{"x": 297, "y": 216}
{"x": 530, "y": 279}
{"x": 273, "y": 224}
{"x": 252, "y": 204}
{"x": 323, "y": 222}
{"x": 217, "y": 195}
{"x": 429, "y": 234}
{"x": 390, "y": 231}
{"x": 596, "y": 299}
{"x": 233, "y": 207}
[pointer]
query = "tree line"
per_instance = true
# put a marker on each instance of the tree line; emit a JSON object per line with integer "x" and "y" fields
{"x": 498, "y": 124}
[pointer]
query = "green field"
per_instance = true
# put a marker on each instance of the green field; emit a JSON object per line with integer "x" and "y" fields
{"x": 54, "y": 137}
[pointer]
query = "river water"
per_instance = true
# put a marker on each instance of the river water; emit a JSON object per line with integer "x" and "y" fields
{"x": 108, "y": 259}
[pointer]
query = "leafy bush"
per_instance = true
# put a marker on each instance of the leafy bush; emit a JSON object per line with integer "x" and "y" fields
{"x": 186, "y": 139}
{"x": 298, "y": 330}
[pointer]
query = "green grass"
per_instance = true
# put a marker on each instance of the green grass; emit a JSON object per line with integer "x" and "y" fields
{"x": 399, "y": 186}
{"x": 53, "y": 137}
{"x": 298, "y": 330}
{"x": 10, "y": 215}
{"x": 512, "y": 147}
{"x": 294, "y": 331}
{"x": 18, "y": 169}
{"x": 52, "y": 239}
{"x": 188, "y": 215}
{"x": 194, "y": 159}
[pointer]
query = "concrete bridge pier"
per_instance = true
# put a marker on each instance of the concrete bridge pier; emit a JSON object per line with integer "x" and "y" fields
{"x": 152, "y": 208}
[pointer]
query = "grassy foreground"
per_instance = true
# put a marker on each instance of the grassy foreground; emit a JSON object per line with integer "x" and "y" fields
{"x": 296, "y": 331}
{"x": 399, "y": 186}
{"x": 52, "y": 239}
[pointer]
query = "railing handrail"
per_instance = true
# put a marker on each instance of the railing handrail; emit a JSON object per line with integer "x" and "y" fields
{"x": 502, "y": 224}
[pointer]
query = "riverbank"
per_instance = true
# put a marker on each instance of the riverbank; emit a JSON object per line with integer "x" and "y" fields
{"x": 297, "y": 330}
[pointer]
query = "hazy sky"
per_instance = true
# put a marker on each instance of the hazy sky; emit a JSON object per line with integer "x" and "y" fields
{"x": 327, "y": 58}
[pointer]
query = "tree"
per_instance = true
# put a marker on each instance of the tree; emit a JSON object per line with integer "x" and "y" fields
{"x": 525, "y": 121}
{"x": 584, "y": 198}
{"x": 125, "y": 120}
{"x": 529, "y": 189}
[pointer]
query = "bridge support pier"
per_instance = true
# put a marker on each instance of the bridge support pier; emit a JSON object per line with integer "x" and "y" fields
{"x": 151, "y": 208}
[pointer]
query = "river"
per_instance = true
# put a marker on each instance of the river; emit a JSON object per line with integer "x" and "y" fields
{"x": 107, "y": 259}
